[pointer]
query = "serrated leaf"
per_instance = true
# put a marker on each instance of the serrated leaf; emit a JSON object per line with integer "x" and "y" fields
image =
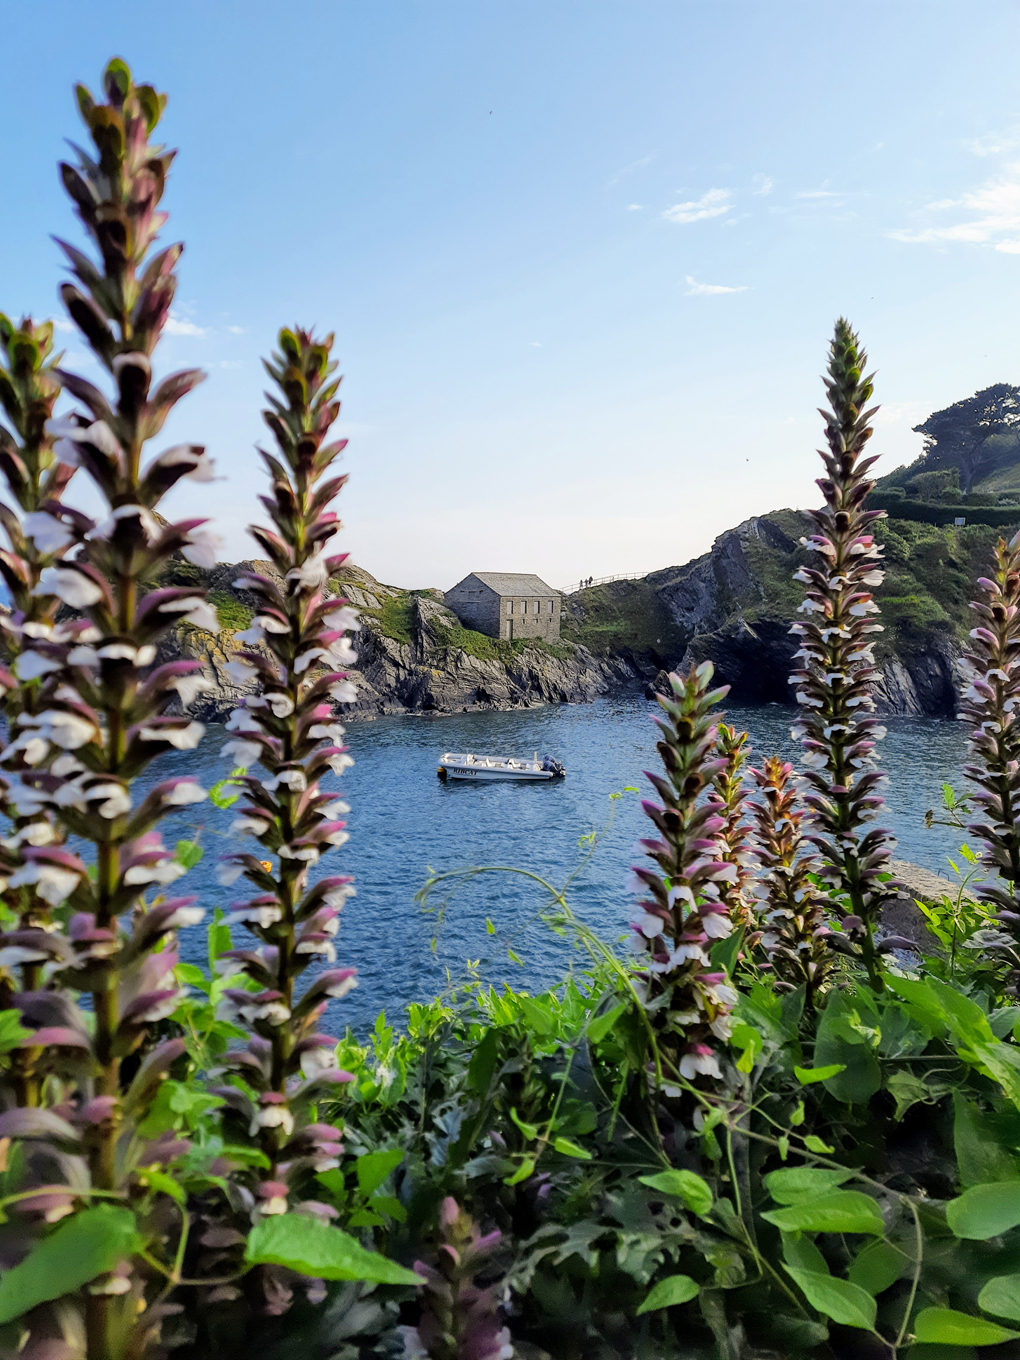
{"x": 985, "y": 1211}
{"x": 686, "y": 1185}
{"x": 669, "y": 1292}
{"x": 314, "y": 1248}
{"x": 845, "y": 1303}
{"x": 840, "y": 1211}
{"x": 946, "y": 1327}
{"x": 81, "y": 1247}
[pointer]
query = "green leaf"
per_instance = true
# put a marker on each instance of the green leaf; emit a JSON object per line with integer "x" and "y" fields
{"x": 667, "y": 1293}
{"x": 746, "y": 1038}
{"x": 530, "y": 1131}
{"x": 878, "y": 1266}
{"x": 81, "y": 1247}
{"x": 602, "y": 1024}
{"x": 1001, "y": 1296}
{"x": 314, "y": 1248}
{"x": 801, "y": 1252}
{"x": 526, "y": 1169}
{"x": 570, "y": 1149}
{"x": 483, "y": 1063}
{"x": 840, "y": 1211}
{"x": 188, "y": 853}
{"x": 160, "y": 1181}
{"x": 908, "y": 1090}
{"x": 11, "y": 1030}
{"x": 840, "y": 1043}
{"x": 537, "y": 1016}
{"x": 218, "y": 795}
{"x": 386, "y": 1204}
{"x": 489, "y": 926}
{"x": 373, "y": 1168}
{"x": 985, "y": 1211}
{"x": 980, "y": 1154}
{"x": 366, "y": 1218}
{"x": 686, "y": 1185}
{"x": 796, "y": 1183}
{"x": 723, "y": 953}
{"x": 946, "y": 1327}
{"x": 189, "y": 974}
{"x": 807, "y": 1075}
{"x": 815, "y": 1144}
{"x": 846, "y": 1303}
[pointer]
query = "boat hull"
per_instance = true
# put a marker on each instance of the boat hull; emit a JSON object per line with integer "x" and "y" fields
{"x": 481, "y": 774}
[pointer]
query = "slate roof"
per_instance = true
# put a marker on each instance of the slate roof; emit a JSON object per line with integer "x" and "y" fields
{"x": 512, "y": 583}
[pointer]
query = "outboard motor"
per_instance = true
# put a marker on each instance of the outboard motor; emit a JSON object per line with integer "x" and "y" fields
{"x": 555, "y": 767}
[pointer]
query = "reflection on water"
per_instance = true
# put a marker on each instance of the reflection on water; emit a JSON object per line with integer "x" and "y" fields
{"x": 404, "y": 820}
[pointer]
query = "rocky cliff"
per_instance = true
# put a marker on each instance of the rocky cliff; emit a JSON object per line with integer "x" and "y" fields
{"x": 413, "y": 655}
{"x": 734, "y": 606}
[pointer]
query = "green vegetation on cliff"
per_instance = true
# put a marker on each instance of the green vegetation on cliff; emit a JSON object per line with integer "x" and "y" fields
{"x": 621, "y": 615}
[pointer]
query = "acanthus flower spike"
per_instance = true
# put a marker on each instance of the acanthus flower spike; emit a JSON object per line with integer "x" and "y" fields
{"x": 682, "y": 910}
{"x": 101, "y": 712}
{"x": 990, "y": 701}
{"x": 290, "y": 728}
{"x": 794, "y": 933}
{"x": 836, "y": 674}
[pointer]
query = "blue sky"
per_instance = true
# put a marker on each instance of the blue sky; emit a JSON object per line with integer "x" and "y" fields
{"x": 582, "y": 259}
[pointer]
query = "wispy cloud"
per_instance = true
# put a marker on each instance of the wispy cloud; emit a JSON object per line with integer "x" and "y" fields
{"x": 634, "y": 165}
{"x": 816, "y": 193}
{"x": 535, "y": 344}
{"x": 992, "y": 143}
{"x": 236, "y": 330}
{"x": 634, "y": 207}
{"x": 762, "y": 184}
{"x": 711, "y": 204}
{"x": 177, "y": 325}
{"x": 987, "y": 216}
{"x": 697, "y": 289}
{"x": 61, "y": 325}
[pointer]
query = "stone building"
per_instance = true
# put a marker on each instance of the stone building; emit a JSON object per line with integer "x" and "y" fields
{"x": 507, "y": 605}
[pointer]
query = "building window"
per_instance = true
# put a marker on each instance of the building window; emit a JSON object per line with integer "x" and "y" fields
{"x": 524, "y": 606}
{"x": 509, "y": 606}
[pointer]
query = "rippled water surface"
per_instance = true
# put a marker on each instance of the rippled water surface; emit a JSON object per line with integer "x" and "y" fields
{"x": 404, "y": 819}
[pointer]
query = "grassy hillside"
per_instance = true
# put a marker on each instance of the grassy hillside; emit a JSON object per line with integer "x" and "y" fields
{"x": 930, "y": 573}
{"x": 619, "y": 615}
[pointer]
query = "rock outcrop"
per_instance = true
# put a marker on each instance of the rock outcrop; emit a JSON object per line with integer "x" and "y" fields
{"x": 413, "y": 657}
{"x": 733, "y": 606}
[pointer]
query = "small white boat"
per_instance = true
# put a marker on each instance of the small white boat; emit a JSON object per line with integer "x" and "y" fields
{"x": 468, "y": 766}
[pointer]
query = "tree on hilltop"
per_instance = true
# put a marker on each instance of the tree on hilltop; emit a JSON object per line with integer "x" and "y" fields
{"x": 959, "y": 436}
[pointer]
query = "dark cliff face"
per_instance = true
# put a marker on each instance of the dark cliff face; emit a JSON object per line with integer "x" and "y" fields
{"x": 734, "y": 605}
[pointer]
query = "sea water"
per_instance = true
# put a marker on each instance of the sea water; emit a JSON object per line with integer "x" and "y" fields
{"x": 405, "y": 822}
